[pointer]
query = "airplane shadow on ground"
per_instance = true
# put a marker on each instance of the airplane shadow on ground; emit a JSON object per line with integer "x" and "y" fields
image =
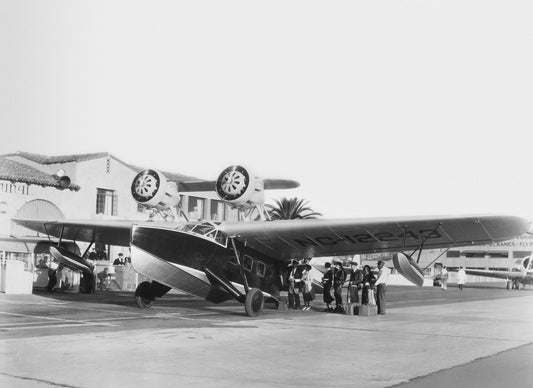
{"x": 177, "y": 301}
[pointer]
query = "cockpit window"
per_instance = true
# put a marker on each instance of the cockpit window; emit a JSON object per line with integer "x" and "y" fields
{"x": 208, "y": 230}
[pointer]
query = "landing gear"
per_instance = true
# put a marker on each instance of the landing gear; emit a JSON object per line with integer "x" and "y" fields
{"x": 509, "y": 284}
{"x": 141, "y": 298}
{"x": 253, "y": 304}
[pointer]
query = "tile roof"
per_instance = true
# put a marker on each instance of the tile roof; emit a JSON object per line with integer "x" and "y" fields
{"x": 175, "y": 177}
{"x": 19, "y": 172}
{"x": 43, "y": 159}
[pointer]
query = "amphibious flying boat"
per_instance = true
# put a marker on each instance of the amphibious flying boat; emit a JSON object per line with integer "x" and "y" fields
{"x": 247, "y": 260}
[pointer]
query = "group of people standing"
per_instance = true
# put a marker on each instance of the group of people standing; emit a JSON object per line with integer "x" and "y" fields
{"x": 300, "y": 282}
{"x": 359, "y": 281}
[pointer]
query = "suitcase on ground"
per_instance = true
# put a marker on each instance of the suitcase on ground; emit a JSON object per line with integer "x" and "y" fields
{"x": 366, "y": 310}
{"x": 349, "y": 308}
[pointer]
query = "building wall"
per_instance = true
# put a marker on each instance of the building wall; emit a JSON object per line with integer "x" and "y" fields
{"x": 14, "y": 195}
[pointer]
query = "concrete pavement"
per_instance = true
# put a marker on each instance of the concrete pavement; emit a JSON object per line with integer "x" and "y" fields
{"x": 217, "y": 346}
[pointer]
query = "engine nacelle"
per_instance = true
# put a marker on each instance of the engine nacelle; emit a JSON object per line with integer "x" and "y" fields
{"x": 153, "y": 190}
{"x": 240, "y": 187}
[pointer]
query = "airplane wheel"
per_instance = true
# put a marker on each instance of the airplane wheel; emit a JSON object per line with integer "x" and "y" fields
{"x": 509, "y": 284}
{"x": 140, "y": 299}
{"x": 253, "y": 303}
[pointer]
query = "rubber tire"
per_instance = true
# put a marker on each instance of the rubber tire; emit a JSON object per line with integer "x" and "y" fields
{"x": 253, "y": 304}
{"x": 140, "y": 300}
{"x": 509, "y": 284}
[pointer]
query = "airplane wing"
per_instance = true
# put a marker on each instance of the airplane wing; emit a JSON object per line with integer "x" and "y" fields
{"x": 269, "y": 184}
{"x": 286, "y": 239}
{"x": 100, "y": 231}
{"x": 496, "y": 274}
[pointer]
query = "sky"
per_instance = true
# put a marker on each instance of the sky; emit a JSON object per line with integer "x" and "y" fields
{"x": 378, "y": 108}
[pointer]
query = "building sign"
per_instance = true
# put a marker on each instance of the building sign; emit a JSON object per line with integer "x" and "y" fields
{"x": 14, "y": 188}
{"x": 520, "y": 242}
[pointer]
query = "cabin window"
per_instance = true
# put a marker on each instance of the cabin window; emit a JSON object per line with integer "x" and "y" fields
{"x": 260, "y": 269}
{"x": 247, "y": 263}
{"x": 233, "y": 260}
{"x": 106, "y": 202}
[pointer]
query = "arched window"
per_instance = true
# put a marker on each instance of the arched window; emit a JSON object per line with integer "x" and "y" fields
{"x": 37, "y": 209}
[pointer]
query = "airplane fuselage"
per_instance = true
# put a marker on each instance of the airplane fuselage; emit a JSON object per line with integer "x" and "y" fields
{"x": 179, "y": 259}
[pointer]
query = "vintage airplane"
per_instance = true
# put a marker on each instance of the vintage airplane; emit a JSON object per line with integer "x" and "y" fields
{"x": 522, "y": 273}
{"x": 247, "y": 260}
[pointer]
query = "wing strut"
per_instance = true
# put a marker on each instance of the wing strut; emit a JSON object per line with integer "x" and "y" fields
{"x": 241, "y": 268}
{"x": 420, "y": 246}
{"x": 87, "y": 250}
{"x": 442, "y": 253}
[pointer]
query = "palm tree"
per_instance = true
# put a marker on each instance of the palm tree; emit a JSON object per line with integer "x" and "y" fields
{"x": 291, "y": 209}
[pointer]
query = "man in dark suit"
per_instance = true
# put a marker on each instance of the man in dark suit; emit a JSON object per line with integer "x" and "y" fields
{"x": 119, "y": 260}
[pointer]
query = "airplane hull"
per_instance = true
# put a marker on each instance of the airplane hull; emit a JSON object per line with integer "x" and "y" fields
{"x": 179, "y": 259}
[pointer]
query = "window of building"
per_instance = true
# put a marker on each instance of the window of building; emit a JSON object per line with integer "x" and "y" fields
{"x": 474, "y": 254}
{"x": 521, "y": 254}
{"x": 195, "y": 210}
{"x": 453, "y": 254}
{"x": 106, "y": 202}
{"x": 217, "y": 210}
{"x": 231, "y": 214}
{"x": 498, "y": 255}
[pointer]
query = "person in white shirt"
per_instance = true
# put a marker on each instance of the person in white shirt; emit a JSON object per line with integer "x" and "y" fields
{"x": 444, "y": 278}
{"x": 381, "y": 286}
{"x": 461, "y": 278}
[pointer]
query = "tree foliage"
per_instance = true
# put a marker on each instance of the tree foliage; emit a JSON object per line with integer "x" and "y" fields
{"x": 291, "y": 209}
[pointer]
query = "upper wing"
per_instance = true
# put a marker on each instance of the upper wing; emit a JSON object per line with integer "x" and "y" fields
{"x": 101, "y": 231}
{"x": 269, "y": 184}
{"x": 286, "y": 239}
{"x": 496, "y": 274}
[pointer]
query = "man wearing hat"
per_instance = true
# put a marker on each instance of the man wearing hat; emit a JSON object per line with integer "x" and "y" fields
{"x": 120, "y": 260}
{"x": 338, "y": 280}
{"x": 327, "y": 282}
{"x": 356, "y": 280}
{"x": 294, "y": 290}
{"x": 381, "y": 286}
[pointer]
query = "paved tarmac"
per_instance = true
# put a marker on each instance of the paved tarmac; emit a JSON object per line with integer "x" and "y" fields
{"x": 480, "y": 337}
